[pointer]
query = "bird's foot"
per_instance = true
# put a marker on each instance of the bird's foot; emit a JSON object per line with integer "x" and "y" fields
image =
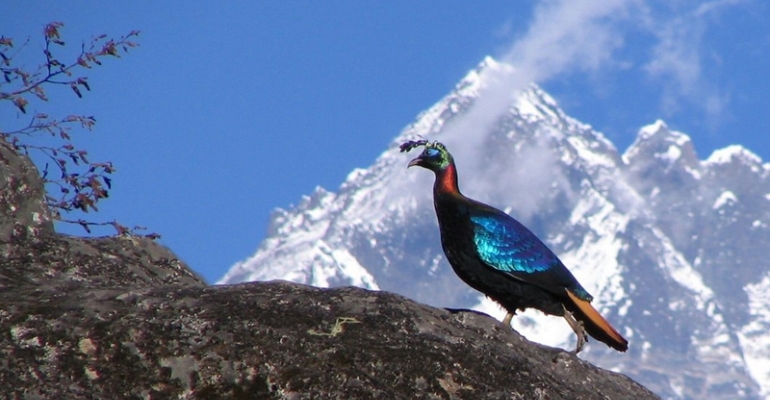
{"x": 580, "y": 331}
{"x": 582, "y": 338}
{"x": 508, "y": 318}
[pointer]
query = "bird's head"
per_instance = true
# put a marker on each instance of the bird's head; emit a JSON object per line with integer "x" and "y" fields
{"x": 434, "y": 157}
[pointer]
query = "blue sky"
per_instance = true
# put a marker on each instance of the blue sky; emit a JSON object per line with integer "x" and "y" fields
{"x": 228, "y": 111}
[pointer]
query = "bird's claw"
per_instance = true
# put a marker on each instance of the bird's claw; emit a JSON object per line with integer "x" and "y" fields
{"x": 508, "y": 318}
{"x": 580, "y": 331}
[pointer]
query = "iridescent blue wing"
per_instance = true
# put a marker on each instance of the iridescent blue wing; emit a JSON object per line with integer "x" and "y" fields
{"x": 508, "y": 246}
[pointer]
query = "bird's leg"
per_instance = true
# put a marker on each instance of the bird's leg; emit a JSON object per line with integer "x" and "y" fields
{"x": 576, "y": 326}
{"x": 508, "y": 318}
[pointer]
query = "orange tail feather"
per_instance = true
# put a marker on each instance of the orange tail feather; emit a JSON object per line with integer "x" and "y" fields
{"x": 596, "y": 325}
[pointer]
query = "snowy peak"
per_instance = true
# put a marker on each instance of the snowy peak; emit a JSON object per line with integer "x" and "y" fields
{"x": 734, "y": 153}
{"x": 736, "y": 156}
{"x": 658, "y": 128}
{"x": 657, "y": 142}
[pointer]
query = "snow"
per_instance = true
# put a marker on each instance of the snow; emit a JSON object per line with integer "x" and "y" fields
{"x": 694, "y": 172}
{"x": 588, "y": 155}
{"x": 651, "y": 130}
{"x": 726, "y": 198}
{"x": 754, "y": 337}
{"x": 595, "y": 261}
{"x": 349, "y": 267}
{"x": 731, "y": 153}
{"x": 532, "y": 324}
{"x": 660, "y": 127}
{"x": 659, "y": 131}
{"x": 671, "y": 155}
{"x": 681, "y": 271}
{"x": 529, "y": 111}
{"x": 356, "y": 174}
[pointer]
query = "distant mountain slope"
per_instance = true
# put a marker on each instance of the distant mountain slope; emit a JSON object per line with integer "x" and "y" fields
{"x": 673, "y": 248}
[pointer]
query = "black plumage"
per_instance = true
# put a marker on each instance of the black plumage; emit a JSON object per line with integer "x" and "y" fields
{"x": 500, "y": 257}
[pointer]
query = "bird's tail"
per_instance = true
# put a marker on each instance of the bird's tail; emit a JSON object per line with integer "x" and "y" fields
{"x": 595, "y": 324}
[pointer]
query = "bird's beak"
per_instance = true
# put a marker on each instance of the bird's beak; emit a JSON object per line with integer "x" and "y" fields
{"x": 416, "y": 161}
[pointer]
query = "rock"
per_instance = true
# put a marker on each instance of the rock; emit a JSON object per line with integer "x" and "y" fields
{"x": 23, "y": 210}
{"x": 123, "y": 317}
{"x": 275, "y": 340}
{"x": 51, "y": 262}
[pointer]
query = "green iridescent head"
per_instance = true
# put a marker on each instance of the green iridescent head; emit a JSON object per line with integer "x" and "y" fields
{"x": 434, "y": 157}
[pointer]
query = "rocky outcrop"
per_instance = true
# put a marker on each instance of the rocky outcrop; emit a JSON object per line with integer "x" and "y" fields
{"x": 23, "y": 211}
{"x": 122, "y": 317}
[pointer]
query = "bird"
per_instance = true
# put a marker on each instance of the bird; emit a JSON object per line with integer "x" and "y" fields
{"x": 498, "y": 256}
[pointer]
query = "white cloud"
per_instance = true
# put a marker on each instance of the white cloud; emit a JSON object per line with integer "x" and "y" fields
{"x": 586, "y": 36}
{"x": 711, "y": 6}
{"x": 567, "y": 37}
{"x": 564, "y": 35}
{"x": 570, "y": 34}
{"x": 678, "y": 59}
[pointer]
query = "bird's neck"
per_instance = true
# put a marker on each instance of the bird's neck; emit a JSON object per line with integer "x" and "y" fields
{"x": 446, "y": 182}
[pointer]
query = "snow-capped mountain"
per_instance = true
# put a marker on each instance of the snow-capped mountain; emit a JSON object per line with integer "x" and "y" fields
{"x": 673, "y": 248}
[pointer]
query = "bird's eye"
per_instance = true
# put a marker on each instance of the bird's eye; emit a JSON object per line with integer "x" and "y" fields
{"x": 431, "y": 152}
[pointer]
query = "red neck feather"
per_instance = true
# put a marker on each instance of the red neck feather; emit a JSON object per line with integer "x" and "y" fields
{"x": 446, "y": 181}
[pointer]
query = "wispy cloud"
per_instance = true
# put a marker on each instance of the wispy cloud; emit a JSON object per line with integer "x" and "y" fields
{"x": 570, "y": 34}
{"x": 660, "y": 41}
{"x": 716, "y": 5}
{"x": 564, "y": 36}
{"x": 678, "y": 58}
{"x": 586, "y": 36}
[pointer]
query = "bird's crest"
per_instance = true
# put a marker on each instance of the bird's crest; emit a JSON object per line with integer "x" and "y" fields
{"x": 411, "y": 144}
